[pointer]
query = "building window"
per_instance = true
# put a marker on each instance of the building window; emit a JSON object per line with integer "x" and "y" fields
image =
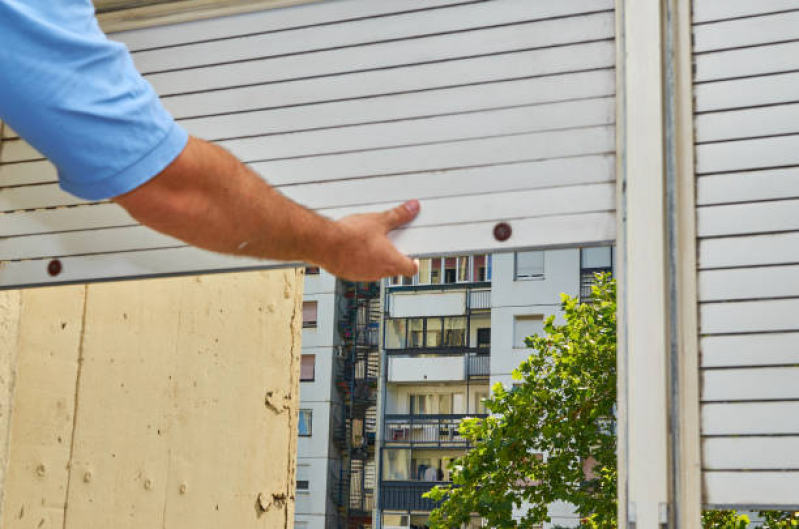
{"x": 435, "y": 274}
{"x": 484, "y": 338}
{"x": 396, "y": 465}
{"x": 525, "y": 326}
{"x": 454, "y": 331}
{"x": 480, "y": 268}
{"x": 303, "y": 485}
{"x": 307, "y": 368}
{"x": 312, "y": 271}
{"x": 423, "y": 278}
{"x": 593, "y": 261}
{"x": 450, "y": 269}
{"x": 529, "y": 265}
{"x": 305, "y": 423}
{"x": 309, "y": 314}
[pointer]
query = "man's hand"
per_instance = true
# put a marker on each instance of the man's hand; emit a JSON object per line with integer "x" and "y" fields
{"x": 364, "y": 253}
{"x": 209, "y": 199}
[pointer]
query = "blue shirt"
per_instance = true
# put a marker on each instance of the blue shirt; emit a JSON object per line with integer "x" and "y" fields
{"x": 78, "y": 99}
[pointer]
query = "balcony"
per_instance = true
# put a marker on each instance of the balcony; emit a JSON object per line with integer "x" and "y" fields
{"x": 407, "y": 495}
{"x": 427, "y": 431}
{"x": 439, "y": 368}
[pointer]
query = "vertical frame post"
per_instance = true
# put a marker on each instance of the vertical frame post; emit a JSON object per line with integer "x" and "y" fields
{"x": 659, "y": 456}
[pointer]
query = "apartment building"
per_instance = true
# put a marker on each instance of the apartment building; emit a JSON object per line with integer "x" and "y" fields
{"x": 450, "y": 333}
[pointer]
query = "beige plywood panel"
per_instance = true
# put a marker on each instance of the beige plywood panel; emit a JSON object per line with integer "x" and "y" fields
{"x": 48, "y": 348}
{"x": 9, "y": 335}
{"x": 164, "y": 403}
{"x": 750, "y": 453}
{"x": 750, "y": 350}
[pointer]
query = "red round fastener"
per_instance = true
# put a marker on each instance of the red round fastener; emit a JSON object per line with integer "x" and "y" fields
{"x": 54, "y": 267}
{"x": 502, "y": 231}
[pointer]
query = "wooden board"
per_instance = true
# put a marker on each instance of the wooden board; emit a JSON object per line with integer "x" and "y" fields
{"x": 486, "y": 111}
{"x": 156, "y": 411}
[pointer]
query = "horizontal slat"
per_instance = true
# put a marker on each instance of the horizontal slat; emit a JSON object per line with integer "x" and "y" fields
{"x": 749, "y": 316}
{"x": 753, "y": 250}
{"x": 752, "y": 489}
{"x": 750, "y": 350}
{"x": 747, "y": 123}
{"x": 750, "y": 31}
{"x": 527, "y": 147}
{"x": 8, "y": 132}
{"x": 540, "y": 232}
{"x": 317, "y": 14}
{"x": 387, "y": 55}
{"x": 435, "y": 212}
{"x": 710, "y": 10}
{"x": 85, "y": 217}
{"x": 367, "y": 31}
{"x": 409, "y": 78}
{"x": 750, "y": 418}
{"x": 749, "y": 283}
{"x": 408, "y": 105}
{"x": 19, "y": 151}
{"x": 746, "y": 62}
{"x": 754, "y": 91}
{"x": 470, "y": 125}
{"x": 746, "y": 155}
{"x": 739, "y": 219}
{"x": 751, "y": 453}
{"x": 27, "y": 173}
{"x": 748, "y": 187}
{"x": 476, "y": 180}
{"x": 749, "y": 384}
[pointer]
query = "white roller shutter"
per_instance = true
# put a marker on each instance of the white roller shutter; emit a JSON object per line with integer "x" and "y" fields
{"x": 747, "y": 156}
{"x": 488, "y": 112}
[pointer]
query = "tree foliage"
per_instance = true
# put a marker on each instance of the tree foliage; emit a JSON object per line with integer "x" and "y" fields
{"x": 562, "y": 407}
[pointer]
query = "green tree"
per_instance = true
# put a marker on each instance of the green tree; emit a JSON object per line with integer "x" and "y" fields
{"x": 563, "y": 406}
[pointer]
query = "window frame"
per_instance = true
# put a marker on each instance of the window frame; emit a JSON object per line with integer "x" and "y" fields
{"x": 534, "y": 277}
{"x": 309, "y": 414}
{"x": 315, "y": 323}
{"x": 313, "y": 368}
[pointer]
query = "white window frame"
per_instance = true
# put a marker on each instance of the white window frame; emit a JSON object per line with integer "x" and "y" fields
{"x": 533, "y": 277}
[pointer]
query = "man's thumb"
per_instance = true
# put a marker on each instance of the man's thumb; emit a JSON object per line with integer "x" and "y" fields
{"x": 403, "y": 214}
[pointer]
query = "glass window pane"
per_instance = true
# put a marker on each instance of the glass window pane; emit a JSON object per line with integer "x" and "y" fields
{"x": 434, "y": 328}
{"x": 309, "y": 314}
{"x": 595, "y": 257}
{"x": 307, "y": 366}
{"x": 479, "y": 268}
{"x": 454, "y": 331}
{"x": 450, "y": 269}
{"x": 406, "y": 281}
{"x": 416, "y": 333}
{"x": 396, "y": 465}
{"x": 424, "y": 271}
{"x": 529, "y": 265}
{"x": 490, "y": 264}
{"x": 305, "y": 423}
{"x": 445, "y": 404}
{"x": 463, "y": 269}
{"x": 436, "y": 275}
{"x": 395, "y": 334}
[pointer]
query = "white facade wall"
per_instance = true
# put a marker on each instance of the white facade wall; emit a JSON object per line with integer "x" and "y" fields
{"x": 317, "y": 458}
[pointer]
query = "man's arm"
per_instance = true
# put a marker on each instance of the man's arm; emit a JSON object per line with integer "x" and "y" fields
{"x": 208, "y": 198}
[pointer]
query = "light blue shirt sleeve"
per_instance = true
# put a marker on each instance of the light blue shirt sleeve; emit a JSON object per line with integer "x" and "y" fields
{"x": 79, "y": 100}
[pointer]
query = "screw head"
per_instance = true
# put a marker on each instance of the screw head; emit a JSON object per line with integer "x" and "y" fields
{"x": 54, "y": 267}
{"x": 502, "y": 231}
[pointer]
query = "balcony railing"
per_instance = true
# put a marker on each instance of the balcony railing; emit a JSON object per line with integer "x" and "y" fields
{"x": 479, "y": 299}
{"x": 426, "y": 430}
{"x": 478, "y": 365}
{"x": 407, "y": 495}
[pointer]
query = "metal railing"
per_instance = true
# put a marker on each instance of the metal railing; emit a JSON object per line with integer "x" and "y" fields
{"x": 478, "y": 365}
{"x": 407, "y": 495}
{"x": 426, "y": 430}
{"x": 479, "y": 299}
